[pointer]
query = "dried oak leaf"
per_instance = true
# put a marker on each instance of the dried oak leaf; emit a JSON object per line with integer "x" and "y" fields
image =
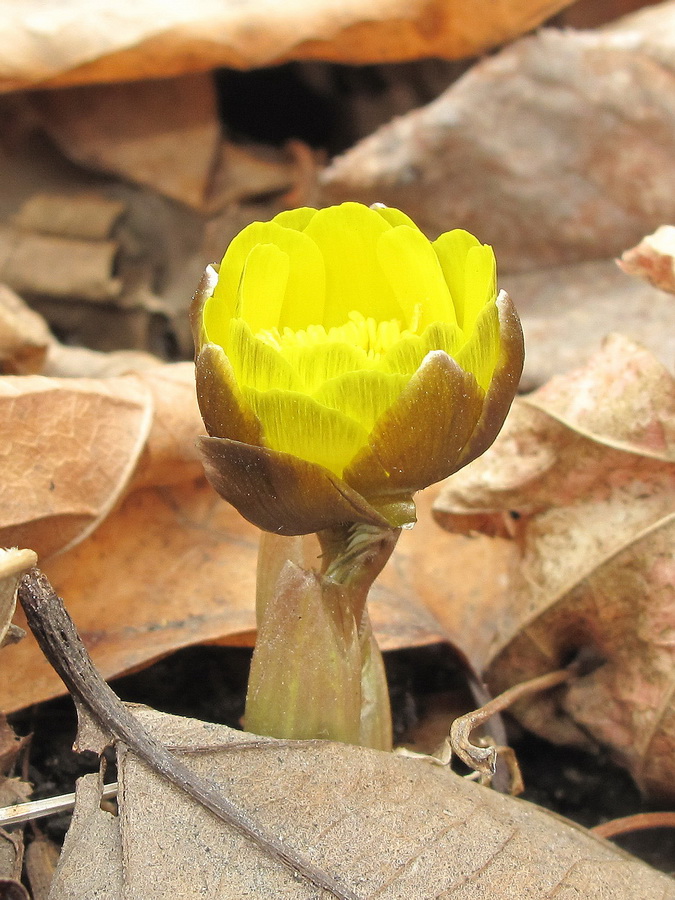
{"x": 581, "y": 481}
{"x": 653, "y": 259}
{"x": 85, "y": 42}
{"x": 381, "y": 825}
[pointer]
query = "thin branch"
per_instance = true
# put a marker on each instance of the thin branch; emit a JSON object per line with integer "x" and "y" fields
{"x": 57, "y": 636}
{"x": 483, "y": 759}
{"x": 637, "y": 822}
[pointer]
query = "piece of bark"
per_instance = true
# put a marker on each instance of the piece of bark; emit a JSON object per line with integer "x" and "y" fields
{"x": 58, "y": 267}
{"x": 87, "y": 42}
{"x": 164, "y": 134}
{"x": 86, "y": 216}
{"x": 555, "y": 150}
{"x": 567, "y": 311}
{"x": 25, "y": 337}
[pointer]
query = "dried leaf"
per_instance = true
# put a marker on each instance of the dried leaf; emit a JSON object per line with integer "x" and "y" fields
{"x": 164, "y": 134}
{"x": 24, "y": 336}
{"x": 582, "y": 483}
{"x": 542, "y": 149}
{"x": 381, "y": 824}
{"x": 69, "y": 448}
{"x": 86, "y": 216}
{"x": 653, "y": 259}
{"x": 567, "y": 311}
{"x": 59, "y": 267}
{"x": 91, "y": 42}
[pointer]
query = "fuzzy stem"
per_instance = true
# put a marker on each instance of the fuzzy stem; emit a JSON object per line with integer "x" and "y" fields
{"x": 316, "y": 670}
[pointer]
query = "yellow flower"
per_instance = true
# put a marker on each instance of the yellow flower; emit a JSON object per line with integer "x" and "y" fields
{"x": 344, "y": 361}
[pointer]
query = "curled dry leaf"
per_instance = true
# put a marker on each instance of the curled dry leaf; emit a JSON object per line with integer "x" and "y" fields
{"x": 84, "y": 42}
{"x": 382, "y": 825}
{"x": 581, "y": 483}
{"x": 653, "y": 259}
{"x": 69, "y": 448}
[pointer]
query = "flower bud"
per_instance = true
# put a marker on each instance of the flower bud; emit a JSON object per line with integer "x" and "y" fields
{"x": 344, "y": 361}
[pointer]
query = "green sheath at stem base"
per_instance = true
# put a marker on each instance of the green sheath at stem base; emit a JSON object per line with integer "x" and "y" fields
{"x": 317, "y": 671}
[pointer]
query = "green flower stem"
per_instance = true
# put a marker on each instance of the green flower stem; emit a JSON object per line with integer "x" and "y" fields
{"x": 317, "y": 671}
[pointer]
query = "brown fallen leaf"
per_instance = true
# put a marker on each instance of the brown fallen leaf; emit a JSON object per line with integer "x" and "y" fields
{"x": 557, "y": 149}
{"x": 164, "y": 134}
{"x": 567, "y": 311}
{"x": 69, "y": 448}
{"x": 581, "y": 483}
{"x": 91, "y": 42}
{"x": 381, "y": 825}
{"x": 653, "y": 259}
{"x": 24, "y": 336}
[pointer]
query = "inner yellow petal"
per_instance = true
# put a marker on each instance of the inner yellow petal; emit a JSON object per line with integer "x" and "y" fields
{"x": 393, "y": 216}
{"x": 347, "y": 237}
{"x": 295, "y": 423}
{"x": 297, "y": 219}
{"x": 452, "y": 249}
{"x": 415, "y": 275}
{"x": 322, "y": 361}
{"x": 305, "y": 294}
{"x": 480, "y": 283}
{"x": 406, "y": 356}
{"x": 263, "y": 286}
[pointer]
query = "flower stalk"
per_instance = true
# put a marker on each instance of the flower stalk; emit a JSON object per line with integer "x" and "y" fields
{"x": 317, "y": 671}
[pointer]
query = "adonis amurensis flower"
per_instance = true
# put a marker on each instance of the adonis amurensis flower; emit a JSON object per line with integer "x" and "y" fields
{"x": 344, "y": 362}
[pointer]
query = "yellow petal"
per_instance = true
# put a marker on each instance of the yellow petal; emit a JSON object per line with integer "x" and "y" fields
{"x": 394, "y": 216}
{"x": 347, "y": 237}
{"x": 263, "y": 286}
{"x": 304, "y": 299}
{"x": 297, "y": 219}
{"x": 363, "y": 396}
{"x": 255, "y": 363}
{"x": 294, "y": 423}
{"x": 415, "y": 276}
{"x": 452, "y": 249}
{"x": 320, "y": 362}
{"x": 480, "y": 353}
{"x": 480, "y": 283}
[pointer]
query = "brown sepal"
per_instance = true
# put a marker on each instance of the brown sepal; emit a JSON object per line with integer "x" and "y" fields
{"x": 279, "y": 492}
